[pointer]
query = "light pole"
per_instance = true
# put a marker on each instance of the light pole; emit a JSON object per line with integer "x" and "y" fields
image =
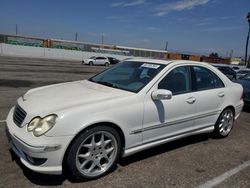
{"x": 16, "y": 29}
{"x": 248, "y": 19}
{"x": 102, "y": 38}
{"x": 76, "y": 37}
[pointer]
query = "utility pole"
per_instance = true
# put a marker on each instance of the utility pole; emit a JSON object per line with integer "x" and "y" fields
{"x": 166, "y": 47}
{"x": 248, "y": 19}
{"x": 102, "y": 38}
{"x": 231, "y": 53}
{"x": 16, "y": 29}
{"x": 76, "y": 36}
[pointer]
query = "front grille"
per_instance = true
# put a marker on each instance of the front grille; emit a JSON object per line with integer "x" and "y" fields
{"x": 19, "y": 115}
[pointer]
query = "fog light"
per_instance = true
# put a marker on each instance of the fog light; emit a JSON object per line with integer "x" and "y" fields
{"x": 35, "y": 161}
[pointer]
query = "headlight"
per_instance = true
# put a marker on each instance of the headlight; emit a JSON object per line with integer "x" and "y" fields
{"x": 40, "y": 126}
{"x": 33, "y": 123}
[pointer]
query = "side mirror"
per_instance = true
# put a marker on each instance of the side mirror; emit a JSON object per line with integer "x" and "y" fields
{"x": 161, "y": 94}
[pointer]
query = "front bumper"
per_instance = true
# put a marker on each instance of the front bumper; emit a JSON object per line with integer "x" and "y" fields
{"x": 41, "y": 154}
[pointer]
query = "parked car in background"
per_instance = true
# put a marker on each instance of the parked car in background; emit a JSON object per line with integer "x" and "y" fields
{"x": 242, "y": 73}
{"x": 113, "y": 60}
{"x": 97, "y": 60}
{"x": 235, "y": 68}
{"x": 245, "y": 82}
{"x": 137, "y": 104}
{"x": 229, "y": 72}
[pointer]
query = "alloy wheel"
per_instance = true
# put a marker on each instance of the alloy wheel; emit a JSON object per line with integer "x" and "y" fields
{"x": 226, "y": 122}
{"x": 96, "y": 154}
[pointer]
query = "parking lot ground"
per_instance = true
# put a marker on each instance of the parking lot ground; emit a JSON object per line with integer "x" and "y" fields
{"x": 190, "y": 162}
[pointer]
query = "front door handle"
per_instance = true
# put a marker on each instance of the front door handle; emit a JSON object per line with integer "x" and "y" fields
{"x": 191, "y": 100}
{"x": 221, "y": 94}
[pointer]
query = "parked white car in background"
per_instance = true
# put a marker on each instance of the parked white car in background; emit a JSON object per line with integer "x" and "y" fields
{"x": 137, "y": 104}
{"x": 97, "y": 60}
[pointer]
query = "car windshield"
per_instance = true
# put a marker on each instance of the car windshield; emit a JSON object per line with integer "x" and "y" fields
{"x": 129, "y": 76}
{"x": 246, "y": 77}
{"x": 93, "y": 57}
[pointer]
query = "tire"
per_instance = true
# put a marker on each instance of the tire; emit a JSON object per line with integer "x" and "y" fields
{"x": 224, "y": 124}
{"x": 91, "y": 63}
{"x": 94, "y": 153}
{"x": 106, "y": 64}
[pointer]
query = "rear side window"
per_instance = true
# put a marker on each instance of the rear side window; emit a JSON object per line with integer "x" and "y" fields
{"x": 205, "y": 79}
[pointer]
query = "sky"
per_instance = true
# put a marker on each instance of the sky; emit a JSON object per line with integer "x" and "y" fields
{"x": 193, "y": 26}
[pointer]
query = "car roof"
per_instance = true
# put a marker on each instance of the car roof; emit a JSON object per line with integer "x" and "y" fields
{"x": 167, "y": 62}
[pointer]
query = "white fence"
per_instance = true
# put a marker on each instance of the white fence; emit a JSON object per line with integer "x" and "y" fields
{"x": 50, "y": 53}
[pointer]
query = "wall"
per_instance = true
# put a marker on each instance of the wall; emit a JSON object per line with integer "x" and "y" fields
{"x": 40, "y": 52}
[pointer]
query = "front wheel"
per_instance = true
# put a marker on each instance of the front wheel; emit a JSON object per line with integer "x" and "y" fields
{"x": 94, "y": 153}
{"x": 106, "y": 64}
{"x": 224, "y": 124}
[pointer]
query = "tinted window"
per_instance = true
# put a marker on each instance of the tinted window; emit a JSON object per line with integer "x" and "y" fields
{"x": 100, "y": 58}
{"x": 178, "y": 80}
{"x": 206, "y": 79}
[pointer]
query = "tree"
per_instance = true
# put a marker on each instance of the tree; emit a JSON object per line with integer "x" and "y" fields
{"x": 214, "y": 54}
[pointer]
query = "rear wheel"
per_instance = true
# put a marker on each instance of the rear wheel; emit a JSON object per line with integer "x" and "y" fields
{"x": 224, "y": 124}
{"x": 94, "y": 153}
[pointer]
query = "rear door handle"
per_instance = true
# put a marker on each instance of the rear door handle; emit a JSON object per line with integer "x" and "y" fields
{"x": 221, "y": 94}
{"x": 191, "y": 100}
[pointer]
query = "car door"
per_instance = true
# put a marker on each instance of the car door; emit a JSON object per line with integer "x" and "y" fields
{"x": 99, "y": 61}
{"x": 173, "y": 117}
{"x": 209, "y": 95}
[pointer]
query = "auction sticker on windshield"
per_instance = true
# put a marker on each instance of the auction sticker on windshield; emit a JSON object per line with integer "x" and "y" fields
{"x": 151, "y": 66}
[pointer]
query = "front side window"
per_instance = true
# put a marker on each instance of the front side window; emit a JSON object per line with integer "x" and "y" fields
{"x": 178, "y": 80}
{"x": 128, "y": 75}
{"x": 206, "y": 79}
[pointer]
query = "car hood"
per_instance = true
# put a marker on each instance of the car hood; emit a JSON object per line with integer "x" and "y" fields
{"x": 49, "y": 99}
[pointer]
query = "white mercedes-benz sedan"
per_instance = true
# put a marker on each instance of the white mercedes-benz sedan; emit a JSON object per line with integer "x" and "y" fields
{"x": 85, "y": 126}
